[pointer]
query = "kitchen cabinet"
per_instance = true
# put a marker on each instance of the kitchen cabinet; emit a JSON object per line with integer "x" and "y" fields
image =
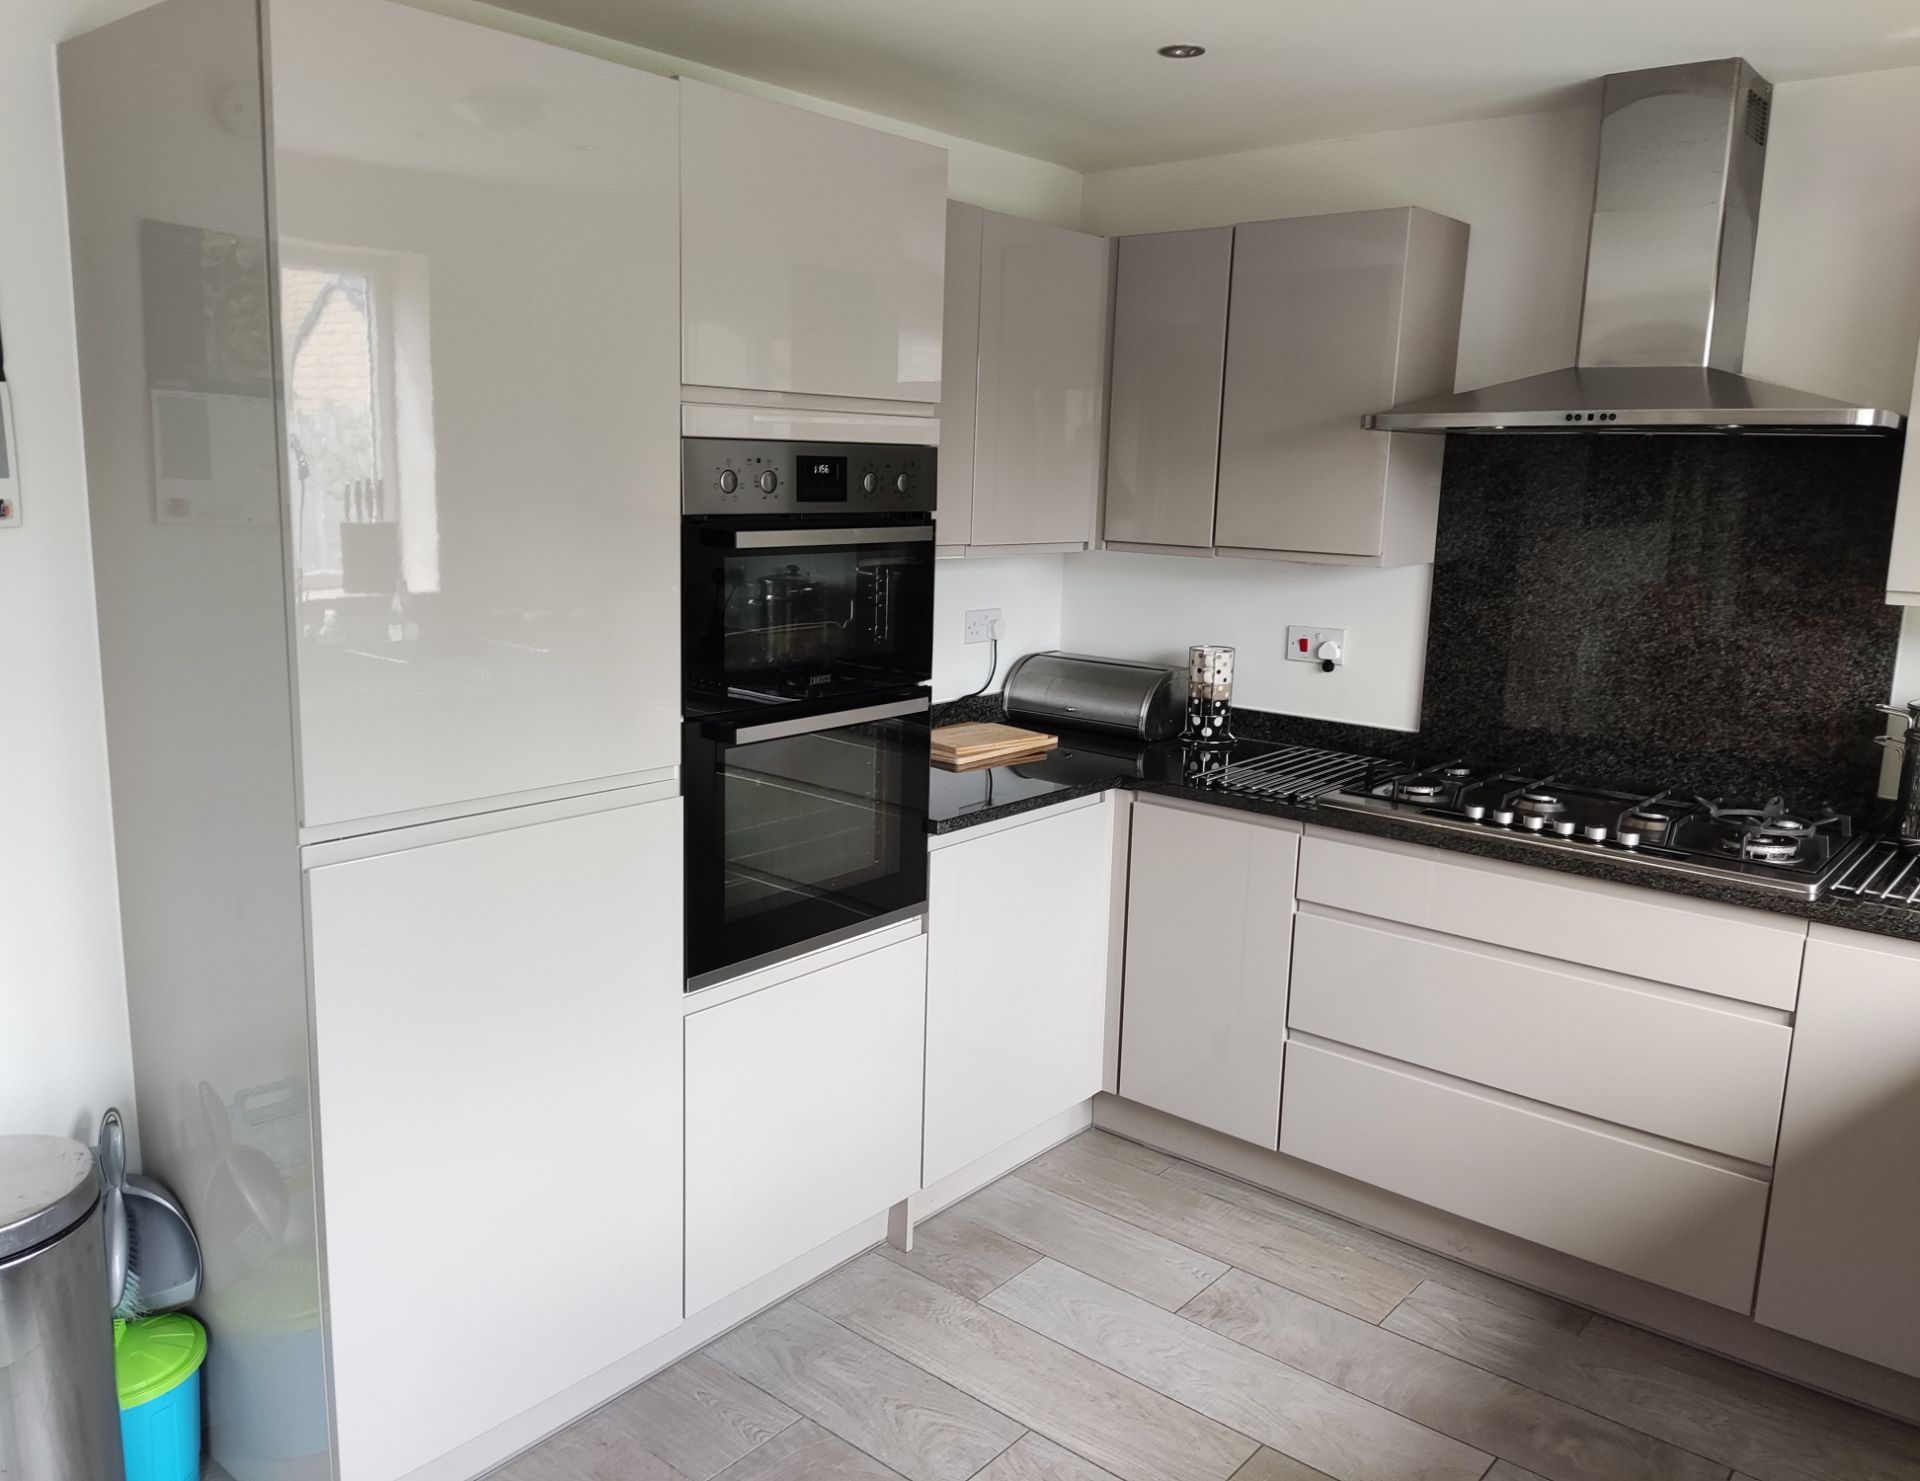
{"x": 1840, "y": 1265}
{"x": 1017, "y": 959}
{"x": 1333, "y": 317}
{"x": 481, "y": 387}
{"x": 811, "y": 254}
{"x": 496, "y": 1028}
{"x": 1169, "y": 367}
{"x": 1210, "y": 903}
{"x": 803, "y": 1113}
{"x": 1024, "y": 383}
{"x": 1903, "y": 570}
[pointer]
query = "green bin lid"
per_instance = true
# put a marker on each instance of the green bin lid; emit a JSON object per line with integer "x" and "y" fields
{"x": 156, "y": 1356}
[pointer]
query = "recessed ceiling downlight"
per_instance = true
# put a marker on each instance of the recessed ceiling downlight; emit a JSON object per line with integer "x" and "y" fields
{"x": 1183, "y": 51}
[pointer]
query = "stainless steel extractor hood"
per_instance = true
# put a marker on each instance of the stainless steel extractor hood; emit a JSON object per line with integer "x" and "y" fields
{"x": 1663, "y": 326}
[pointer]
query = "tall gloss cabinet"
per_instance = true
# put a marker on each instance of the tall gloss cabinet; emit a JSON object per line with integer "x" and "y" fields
{"x": 378, "y": 322}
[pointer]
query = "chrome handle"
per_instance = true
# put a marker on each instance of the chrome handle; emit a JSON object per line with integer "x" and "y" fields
{"x": 746, "y": 735}
{"x": 790, "y": 539}
{"x": 1910, "y": 712}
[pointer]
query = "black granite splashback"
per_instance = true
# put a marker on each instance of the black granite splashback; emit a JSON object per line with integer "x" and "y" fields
{"x": 1700, "y": 612}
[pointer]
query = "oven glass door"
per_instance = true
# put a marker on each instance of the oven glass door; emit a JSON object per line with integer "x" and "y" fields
{"x": 801, "y": 829}
{"x": 796, "y": 608}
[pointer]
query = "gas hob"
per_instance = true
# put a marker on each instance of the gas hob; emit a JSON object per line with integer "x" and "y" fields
{"x": 1769, "y": 845}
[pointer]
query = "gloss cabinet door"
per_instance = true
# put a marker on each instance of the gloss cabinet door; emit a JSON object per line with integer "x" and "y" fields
{"x": 1016, "y": 1014}
{"x": 478, "y": 311}
{"x": 1842, "y": 1259}
{"x": 497, "y": 1047}
{"x": 813, "y": 251}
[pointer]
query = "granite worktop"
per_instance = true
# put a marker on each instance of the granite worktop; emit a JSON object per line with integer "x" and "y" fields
{"x": 1086, "y": 766}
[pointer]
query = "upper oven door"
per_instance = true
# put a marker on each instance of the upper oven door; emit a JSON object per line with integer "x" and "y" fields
{"x": 800, "y": 828}
{"x": 797, "y": 607}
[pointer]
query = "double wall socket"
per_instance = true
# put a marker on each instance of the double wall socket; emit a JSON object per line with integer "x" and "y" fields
{"x": 980, "y": 623}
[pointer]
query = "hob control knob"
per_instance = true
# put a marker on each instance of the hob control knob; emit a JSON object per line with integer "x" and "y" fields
{"x": 1563, "y": 826}
{"x": 1474, "y": 811}
{"x": 769, "y": 481}
{"x": 1533, "y": 823}
{"x": 1629, "y": 839}
{"x": 1504, "y": 817}
{"x": 871, "y": 483}
{"x": 1594, "y": 834}
{"x": 729, "y": 480}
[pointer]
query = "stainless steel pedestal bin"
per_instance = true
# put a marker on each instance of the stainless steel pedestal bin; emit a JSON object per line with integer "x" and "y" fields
{"x": 59, "y": 1407}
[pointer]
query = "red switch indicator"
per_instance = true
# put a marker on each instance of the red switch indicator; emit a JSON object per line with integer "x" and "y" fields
{"x": 1303, "y": 644}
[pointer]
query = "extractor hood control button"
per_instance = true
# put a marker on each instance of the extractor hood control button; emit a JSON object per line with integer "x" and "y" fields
{"x": 1594, "y": 834}
{"x": 769, "y": 481}
{"x": 729, "y": 480}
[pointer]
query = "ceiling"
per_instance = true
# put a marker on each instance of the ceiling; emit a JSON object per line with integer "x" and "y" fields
{"x": 1078, "y": 81}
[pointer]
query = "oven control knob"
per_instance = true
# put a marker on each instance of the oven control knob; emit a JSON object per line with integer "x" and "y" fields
{"x": 729, "y": 480}
{"x": 1503, "y": 816}
{"x": 1533, "y": 823}
{"x": 1628, "y": 838}
{"x": 769, "y": 481}
{"x": 903, "y": 484}
{"x": 1594, "y": 833}
{"x": 1563, "y": 826}
{"x": 1474, "y": 811}
{"x": 871, "y": 483}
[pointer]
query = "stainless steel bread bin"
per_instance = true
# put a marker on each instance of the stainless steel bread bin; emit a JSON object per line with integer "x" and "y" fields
{"x": 1075, "y": 692}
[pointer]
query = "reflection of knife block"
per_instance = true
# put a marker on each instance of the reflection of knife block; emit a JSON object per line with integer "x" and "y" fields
{"x": 370, "y": 557}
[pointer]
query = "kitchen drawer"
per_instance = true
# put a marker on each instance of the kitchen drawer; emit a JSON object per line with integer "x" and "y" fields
{"x": 1657, "y": 1059}
{"x": 1720, "y": 949}
{"x": 1604, "y": 1196}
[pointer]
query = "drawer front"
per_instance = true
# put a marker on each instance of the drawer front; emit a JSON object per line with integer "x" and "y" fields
{"x": 1719, "y": 949}
{"x": 1657, "y": 1060}
{"x": 1685, "y": 1225}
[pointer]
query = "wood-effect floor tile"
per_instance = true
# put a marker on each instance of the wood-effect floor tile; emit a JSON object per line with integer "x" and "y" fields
{"x": 1137, "y": 1260}
{"x": 1036, "y": 1458}
{"x": 806, "y": 1452}
{"x": 699, "y": 1418}
{"x": 1289, "y": 1411}
{"x": 1710, "y": 1419}
{"x": 1422, "y": 1264}
{"x": 962, "y": 1254}
{"x": 1271, "y": 1465}
{"x": 1276, "y": 1249}
{"x": 1506, "y": 1471}
{"x": 603, "y": 1446}
{"x": 1147, "y": 1159}
{"x": 1123, "y": 1426}
{"x": 1553, "y": 1438}
{"x": 923, "y": 1428}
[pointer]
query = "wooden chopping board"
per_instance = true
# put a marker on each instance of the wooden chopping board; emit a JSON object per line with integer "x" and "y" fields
{"x": 964, "y": 747}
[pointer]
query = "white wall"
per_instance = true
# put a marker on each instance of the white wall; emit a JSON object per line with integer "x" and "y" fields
{"x": 1836, "y": 308}
{"x": 1026, "y": 589}
{"x": 63, "y": 1012}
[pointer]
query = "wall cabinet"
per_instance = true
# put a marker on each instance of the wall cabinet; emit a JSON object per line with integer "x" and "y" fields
{"x": 1169, "y": 364}
{"x": 1209, "y": 939}
{"x": 1325, "y": 319}
{"x": 812, "y": 252}
{"x": 803, "y": 1114}
{"x": 496, "y": 1032}
{"x": 1842, "y": 1261}
{"x": 1024, "y": 383}
{"x": 1017, "y": 971}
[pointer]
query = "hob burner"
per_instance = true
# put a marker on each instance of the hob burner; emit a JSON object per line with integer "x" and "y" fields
{"x": 1540, "y": 802}
{"x": 1768, "y": 835}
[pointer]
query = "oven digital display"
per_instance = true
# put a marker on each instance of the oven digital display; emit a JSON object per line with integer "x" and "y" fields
{"x": 820, "y": 480}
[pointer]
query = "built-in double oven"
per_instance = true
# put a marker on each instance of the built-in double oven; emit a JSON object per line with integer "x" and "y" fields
{"x": 807, "y": 646}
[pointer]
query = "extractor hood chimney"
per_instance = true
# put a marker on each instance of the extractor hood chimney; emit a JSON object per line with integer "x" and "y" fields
{"x": 1663, "y": 328}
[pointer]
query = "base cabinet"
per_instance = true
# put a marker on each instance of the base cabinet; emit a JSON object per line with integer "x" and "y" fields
{"x": 495, "y": 1035}
{"x": 1842, "y": 1261}
{"x": 803, "y": 1114}
{"x": 1017, "y": 942}
{"x": 1209, "y": 939}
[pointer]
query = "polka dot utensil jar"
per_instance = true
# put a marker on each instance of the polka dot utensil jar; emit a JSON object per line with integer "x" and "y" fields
{"x": 1209, "y": 696}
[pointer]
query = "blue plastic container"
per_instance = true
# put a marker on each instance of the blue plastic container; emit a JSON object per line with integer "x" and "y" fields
{"x": 157, "y": 1362}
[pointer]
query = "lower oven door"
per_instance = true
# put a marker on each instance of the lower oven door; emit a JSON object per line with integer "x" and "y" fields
{"x": 801, "y": 830}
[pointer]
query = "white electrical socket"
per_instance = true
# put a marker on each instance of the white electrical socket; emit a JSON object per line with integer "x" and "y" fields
{"x": 980, "y": 623}
{"x": 1304, "y": 644}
